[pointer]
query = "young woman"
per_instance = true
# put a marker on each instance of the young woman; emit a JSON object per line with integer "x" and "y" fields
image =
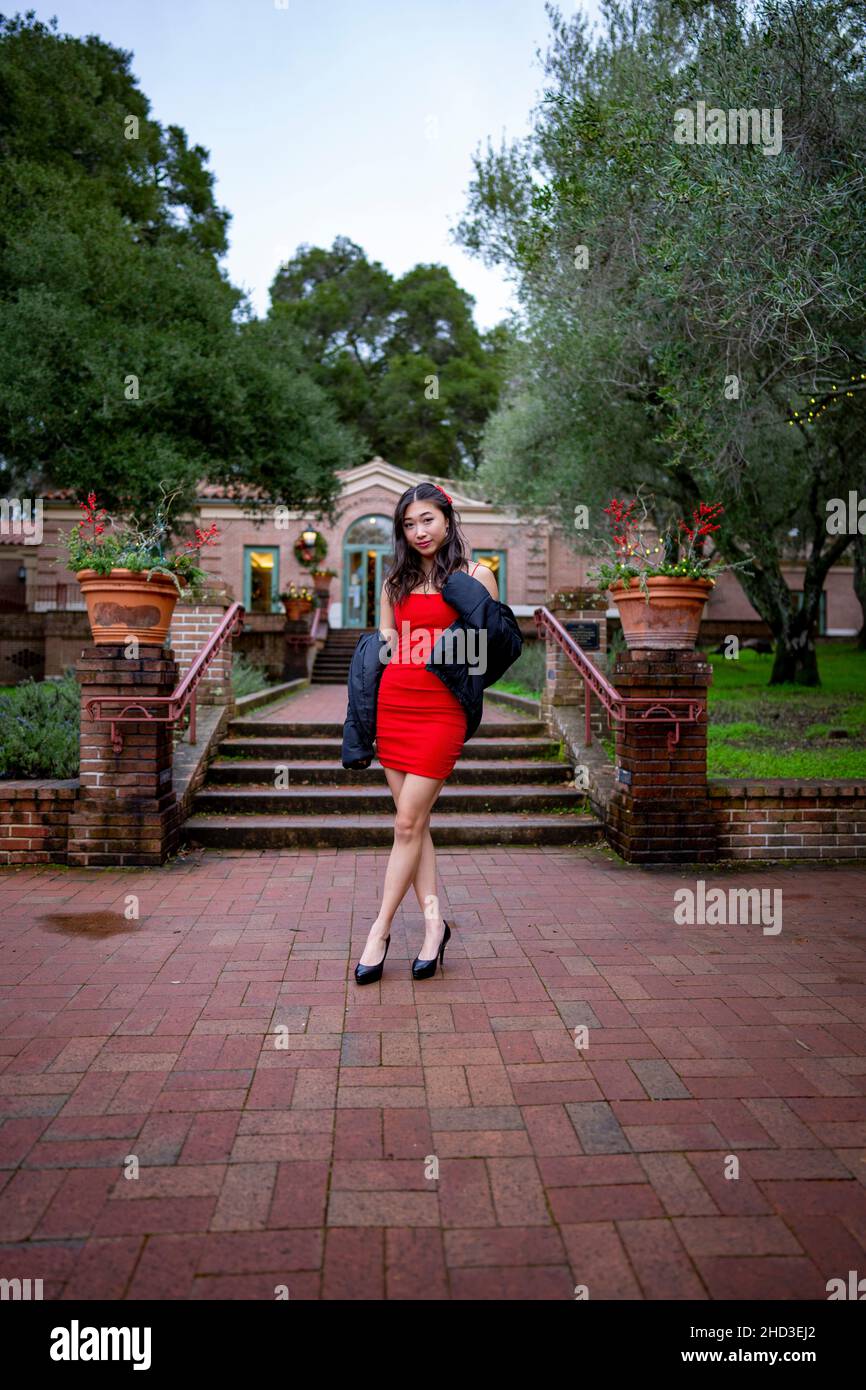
{"x": 420, "y": 724}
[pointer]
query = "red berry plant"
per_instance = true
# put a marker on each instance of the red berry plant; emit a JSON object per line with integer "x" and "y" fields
{"x": 635, "y": 549}
{"x": 98, "y": 543}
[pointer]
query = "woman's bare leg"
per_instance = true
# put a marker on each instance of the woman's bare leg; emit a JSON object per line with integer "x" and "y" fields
{"x": 411, "y": 823}
{"x": 424, "y": 882}
{"x": 434, "y": 926}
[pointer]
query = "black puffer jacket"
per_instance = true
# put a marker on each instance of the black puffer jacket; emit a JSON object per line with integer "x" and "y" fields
{"x": 478, "y": 610}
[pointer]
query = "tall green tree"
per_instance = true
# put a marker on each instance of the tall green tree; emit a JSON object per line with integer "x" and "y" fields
{"x": 688, "y": 304}
{"x": 402, "y": 359}
{"x": 127, "y": 359}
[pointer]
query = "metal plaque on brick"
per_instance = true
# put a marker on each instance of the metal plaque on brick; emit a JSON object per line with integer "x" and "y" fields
{"x": 585, "y": 634}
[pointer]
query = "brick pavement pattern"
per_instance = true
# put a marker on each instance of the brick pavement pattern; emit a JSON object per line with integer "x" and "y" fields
{"x": 328, "y": 702}
{"x": 443, "y": 1139}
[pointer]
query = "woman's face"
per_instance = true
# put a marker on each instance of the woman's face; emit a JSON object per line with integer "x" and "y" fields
{"x": 424, "y": 527}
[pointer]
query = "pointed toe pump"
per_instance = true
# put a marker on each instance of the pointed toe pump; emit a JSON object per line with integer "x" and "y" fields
{"x": 369, "y": 974}
{"x": 423, "y": 969}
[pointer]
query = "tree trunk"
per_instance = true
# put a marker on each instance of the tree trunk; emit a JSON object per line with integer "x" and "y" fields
{"x": 793, "y": 630}
{"x": 796, "y": 660}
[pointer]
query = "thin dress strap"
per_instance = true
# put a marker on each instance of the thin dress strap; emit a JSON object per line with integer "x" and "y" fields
{"x": 477, "y": 563}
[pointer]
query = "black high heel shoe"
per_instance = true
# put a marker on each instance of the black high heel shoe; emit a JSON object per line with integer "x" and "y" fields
{"x": 369, "y": 974}
{"x": 423, "y": 969}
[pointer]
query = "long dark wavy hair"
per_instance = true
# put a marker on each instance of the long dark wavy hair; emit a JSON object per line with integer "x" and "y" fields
{"x": 406, "y": 572}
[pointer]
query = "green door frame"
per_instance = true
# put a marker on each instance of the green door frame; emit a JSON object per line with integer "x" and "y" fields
{"x": 248, "y": 578}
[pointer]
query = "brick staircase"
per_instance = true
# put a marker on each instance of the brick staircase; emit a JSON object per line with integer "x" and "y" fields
{"x": 332, "y": 662}
{"x": 510, "y": 787}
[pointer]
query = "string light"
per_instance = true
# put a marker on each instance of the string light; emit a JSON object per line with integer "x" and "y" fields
{"x": 830, "y": 399}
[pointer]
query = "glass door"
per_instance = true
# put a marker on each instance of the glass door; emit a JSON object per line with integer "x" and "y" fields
{"x": 366, "y": 568}
{"x": 367, "y": 551}
{"x": 383, "y": 564}
{"x": 261, "y": 579}
{"x": 356, "y": 587}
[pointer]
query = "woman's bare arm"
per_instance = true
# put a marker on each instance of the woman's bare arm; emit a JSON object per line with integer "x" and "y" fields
{"x": 485, "y": 576}
{"x": 386, "y": 617}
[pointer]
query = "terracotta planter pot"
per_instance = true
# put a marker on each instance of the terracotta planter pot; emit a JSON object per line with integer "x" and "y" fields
{"x": 322, "y": 584}
{"x": 296, "y": 607}
{"x": 124, "y": 604}
{"x": 672, "y": 618}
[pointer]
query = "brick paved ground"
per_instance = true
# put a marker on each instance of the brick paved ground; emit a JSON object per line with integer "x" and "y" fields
{"x": 306, "y": 1166}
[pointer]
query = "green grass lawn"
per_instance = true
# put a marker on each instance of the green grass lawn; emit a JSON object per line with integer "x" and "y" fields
{"x": 758, "y": 730}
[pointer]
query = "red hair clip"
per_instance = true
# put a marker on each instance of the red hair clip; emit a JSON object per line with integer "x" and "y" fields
{"x": 442, "y": 490}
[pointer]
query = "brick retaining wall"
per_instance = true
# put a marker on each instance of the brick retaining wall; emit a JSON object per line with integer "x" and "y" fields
{"x": 123, "y": 808}
{"x": 35, "y": 815}
{"x": 34, "y": 821}
{"x": 789, "y": 819}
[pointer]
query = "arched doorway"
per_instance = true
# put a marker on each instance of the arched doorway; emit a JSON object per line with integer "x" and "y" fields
{"x": 367, "y": 552}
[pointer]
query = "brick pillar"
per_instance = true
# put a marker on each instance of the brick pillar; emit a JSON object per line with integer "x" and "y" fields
{"x": 660, "y": 812}
{"x": 563, "y": 684}
{"x": 126, "y": 811}
{"x": 191, "y": 626}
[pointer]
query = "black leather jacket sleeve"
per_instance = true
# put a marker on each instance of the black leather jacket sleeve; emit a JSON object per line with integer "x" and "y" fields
{"x": 359, "y": 727}
{"x": 356, "y": 744}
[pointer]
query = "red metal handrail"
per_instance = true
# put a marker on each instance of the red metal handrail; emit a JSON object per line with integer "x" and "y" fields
{"x": 620, "y": 709}
{"x": 169, "y": 708}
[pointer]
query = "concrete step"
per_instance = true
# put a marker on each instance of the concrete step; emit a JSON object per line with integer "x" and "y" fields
{"x": 511, "y": 787}
{"x": 355, "y": 830}
{"x": 255, "y": 728}
{"x": 324, "y": 801}
{"x": 327, "y": 772}
{"x": 286, "y": 749}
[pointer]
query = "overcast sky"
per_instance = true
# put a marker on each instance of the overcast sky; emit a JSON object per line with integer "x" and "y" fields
{"x": 335, "y": 117}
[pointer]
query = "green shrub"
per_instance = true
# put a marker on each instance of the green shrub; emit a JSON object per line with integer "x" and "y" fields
{"x": 39, "y": 729}
{"x": 247, "y": 676}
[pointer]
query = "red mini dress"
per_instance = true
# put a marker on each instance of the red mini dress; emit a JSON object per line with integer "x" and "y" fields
{"x": 420, "y": 725}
